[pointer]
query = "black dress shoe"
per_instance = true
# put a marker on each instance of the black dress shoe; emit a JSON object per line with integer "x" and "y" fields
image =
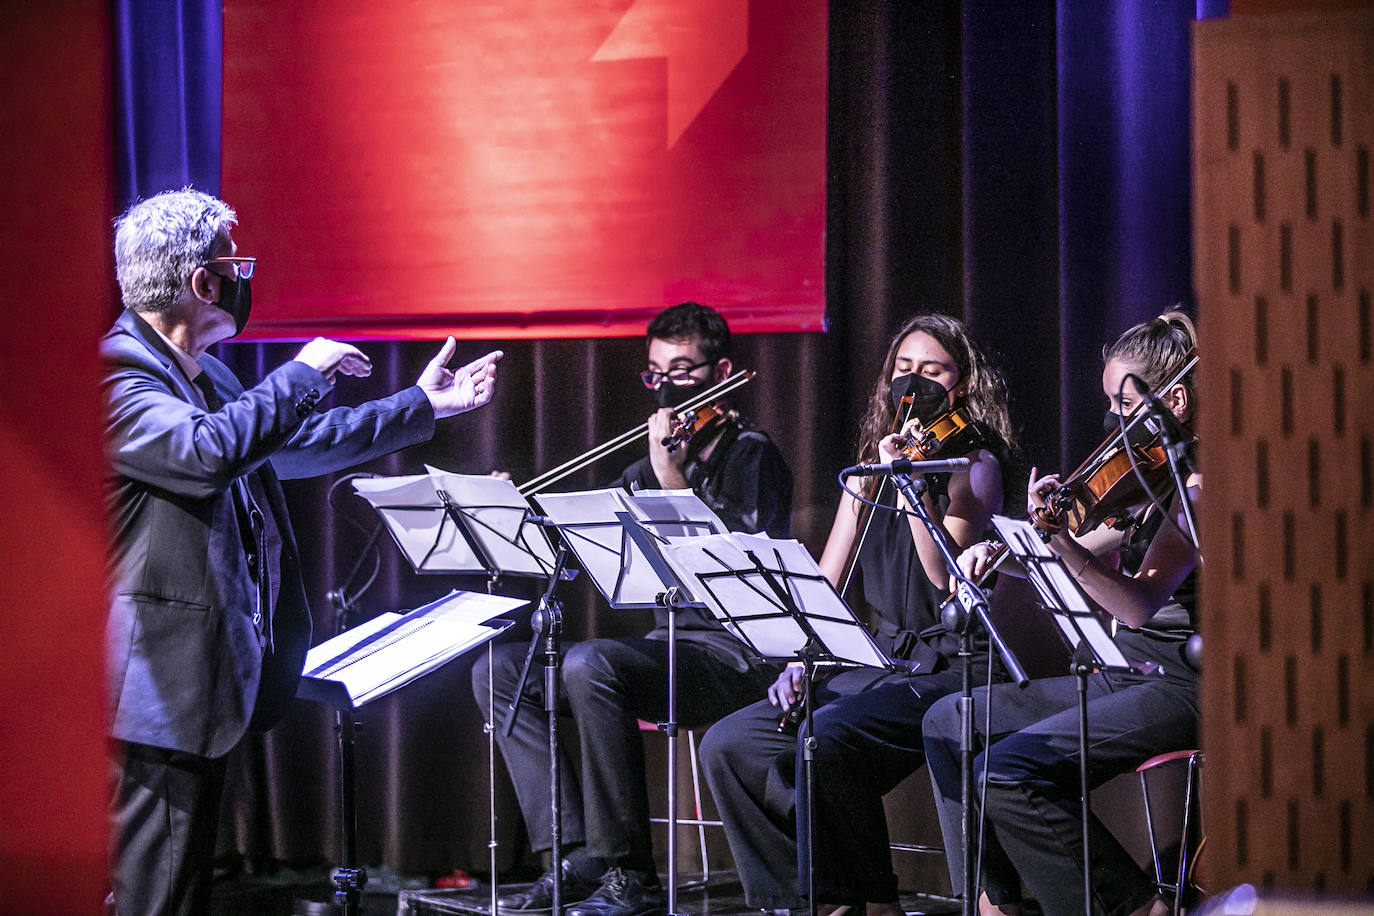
{"x": 622, "y": 893}
{"x": 538, "y": 897}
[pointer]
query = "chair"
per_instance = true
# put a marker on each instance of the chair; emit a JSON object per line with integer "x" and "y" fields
{"x": 697, "y": 820}
{"x": 1191, "y": 813}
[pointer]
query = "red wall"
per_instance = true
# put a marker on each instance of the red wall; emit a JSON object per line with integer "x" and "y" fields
{"x": 56, "y": 294}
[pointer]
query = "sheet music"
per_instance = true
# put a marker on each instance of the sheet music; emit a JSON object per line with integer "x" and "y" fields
{"x": 391, "y": 649}
{"x": 747, "y": 606}
{"x": 492, "y": 511}
{"x": 1058, "y": 590}
{"x": 498, "y": 513}
{"x": 587, "y": 521}
{"x": 428, "y": 538}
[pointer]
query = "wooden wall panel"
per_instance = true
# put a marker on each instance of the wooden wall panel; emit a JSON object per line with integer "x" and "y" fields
{"x": 1283, "y": 128}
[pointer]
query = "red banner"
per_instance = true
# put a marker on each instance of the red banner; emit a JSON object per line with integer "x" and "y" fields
{"x": 526, "y": 168}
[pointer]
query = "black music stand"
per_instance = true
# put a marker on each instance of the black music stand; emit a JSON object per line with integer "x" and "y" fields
{"x": 968, "y": 605}
{"x": 616, "y": 536}
{"x": 372, "y": 660}
{"x": 472, "y": 524}
{"x": 772, "y": 596}
{"x": 1060, "y": 594}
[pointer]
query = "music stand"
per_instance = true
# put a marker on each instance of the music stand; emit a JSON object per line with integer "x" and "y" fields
{"x": 615, "y": 535}
{"x": 771, "y": 595}
{"x": 1061, "y": 595}
{"x": 456, "y": 524}
{"x": 372, "y": 660}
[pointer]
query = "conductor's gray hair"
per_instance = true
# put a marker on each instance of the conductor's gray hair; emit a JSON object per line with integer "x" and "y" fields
{"x": 160, "y": 241}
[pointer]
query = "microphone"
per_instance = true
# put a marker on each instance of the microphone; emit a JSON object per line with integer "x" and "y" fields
{"x": 1159, "y": 418}
{"x": 903, "y": 466}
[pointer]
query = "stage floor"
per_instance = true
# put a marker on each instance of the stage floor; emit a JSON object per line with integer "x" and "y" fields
{"x": 292, "y": 895}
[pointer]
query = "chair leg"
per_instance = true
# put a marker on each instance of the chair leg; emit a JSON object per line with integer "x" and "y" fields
{"x": 1180, "y": 885}
{"x": 696, "y": 802}
{"x": 1150, "y": 831}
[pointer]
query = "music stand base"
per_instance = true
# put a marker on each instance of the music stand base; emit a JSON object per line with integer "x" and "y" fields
{"x": 348, "y": 893}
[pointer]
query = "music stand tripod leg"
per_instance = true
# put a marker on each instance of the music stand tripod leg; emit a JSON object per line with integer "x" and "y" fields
{"x": 349, "y": 880}
{"x": 547, "y": 622}
{"x": 1081, "y": 670}
{"x": 808, "y": 658}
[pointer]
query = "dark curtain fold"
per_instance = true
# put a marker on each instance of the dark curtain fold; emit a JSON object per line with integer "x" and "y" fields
{"x": 1024, "y": 166}
{"x": 167, "y": 96}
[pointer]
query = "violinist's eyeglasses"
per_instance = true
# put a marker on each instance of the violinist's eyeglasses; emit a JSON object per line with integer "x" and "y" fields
{"x": 243, "y": 267}
{"x": 652, "y": 378}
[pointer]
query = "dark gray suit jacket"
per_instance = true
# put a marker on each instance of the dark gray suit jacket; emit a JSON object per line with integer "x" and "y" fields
{"x": 187, "y": 668}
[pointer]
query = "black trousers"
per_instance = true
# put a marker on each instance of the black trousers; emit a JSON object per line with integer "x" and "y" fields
{"x": 607, "y": 684}
{"x": 164, "y": 820}
{"x": 1033, "y": 834}
{"x": 868, "y": 739}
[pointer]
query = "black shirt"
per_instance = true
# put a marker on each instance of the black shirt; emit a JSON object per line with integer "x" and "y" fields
{"x": 898, "y": 591}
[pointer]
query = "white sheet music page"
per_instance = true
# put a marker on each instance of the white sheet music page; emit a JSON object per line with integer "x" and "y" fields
{"x": 721, "y": 573}
{"x": 1059, "y": 592}
{"x": 497, "y": 514}
{"x": 587, "y": 521}
{"x": 390, "y": 650}
{"x": 429, "y": 539}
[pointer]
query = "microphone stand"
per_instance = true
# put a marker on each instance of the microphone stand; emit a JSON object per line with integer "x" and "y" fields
{"x": 972, "y": 603}
{"x": 548, "y": 625}
{"x": 1177, "y": 450}
{"x": 349, "y": 879}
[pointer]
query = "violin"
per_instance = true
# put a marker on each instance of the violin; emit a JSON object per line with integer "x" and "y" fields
{"x": 688, "y": 423}
{"x": 1106, "y": 486}
{"x": 709, "y": 396}
{"x": 954, "y": 431}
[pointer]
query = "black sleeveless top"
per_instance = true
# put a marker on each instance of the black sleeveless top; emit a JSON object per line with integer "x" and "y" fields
{"x": 897, "y": 591}
{"x": 1162, "y": 638}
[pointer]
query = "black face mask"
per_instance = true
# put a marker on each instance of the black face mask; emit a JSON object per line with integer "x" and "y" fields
{"x": 929, "y": 398}
{"x": 236, "y": 298}
{"x": 674, "y": 396}
{"x": 1144, "y": 433}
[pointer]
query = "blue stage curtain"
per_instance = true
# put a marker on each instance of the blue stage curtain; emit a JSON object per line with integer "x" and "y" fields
{"x": 167, "y": 96}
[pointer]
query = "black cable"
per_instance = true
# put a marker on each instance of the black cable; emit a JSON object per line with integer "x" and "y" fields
{"x": 362, "y": 527}
{"x": 876, "y": 505}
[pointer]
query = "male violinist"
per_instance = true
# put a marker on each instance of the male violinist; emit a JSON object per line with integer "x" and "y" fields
{"x": 608, "y": 869}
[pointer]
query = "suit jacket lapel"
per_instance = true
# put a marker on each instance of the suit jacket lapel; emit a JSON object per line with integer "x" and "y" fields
{"x": 133, "y": 324}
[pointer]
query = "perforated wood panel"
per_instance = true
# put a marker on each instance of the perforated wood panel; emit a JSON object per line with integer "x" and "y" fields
{"x": 1283, "y": 128}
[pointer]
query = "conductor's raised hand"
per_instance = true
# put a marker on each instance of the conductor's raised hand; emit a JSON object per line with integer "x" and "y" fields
{"x": 329, "y": 358}
{"x": 454, "y": 391}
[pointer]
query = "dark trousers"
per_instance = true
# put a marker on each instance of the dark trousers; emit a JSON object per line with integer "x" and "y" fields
{"x": 868, "y": 739}
{"x": 1033, "y": 833}
{"x": 164, "y": 819}
{"x": 607, "y": 685}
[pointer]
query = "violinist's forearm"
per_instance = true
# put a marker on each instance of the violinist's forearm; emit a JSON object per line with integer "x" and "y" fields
{"x": 1130, "y": 600}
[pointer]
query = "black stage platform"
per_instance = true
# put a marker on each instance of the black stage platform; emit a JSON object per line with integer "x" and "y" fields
{"x": 303, "y": 893}
{"x": 722, "y": 897}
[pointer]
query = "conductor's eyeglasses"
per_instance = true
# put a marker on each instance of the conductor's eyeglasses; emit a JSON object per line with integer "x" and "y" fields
{"x": 243, "y": 267}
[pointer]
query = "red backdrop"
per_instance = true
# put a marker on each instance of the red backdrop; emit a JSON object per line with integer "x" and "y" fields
{"x": 526, "y": 168}
{"x": 57, "y": 291}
